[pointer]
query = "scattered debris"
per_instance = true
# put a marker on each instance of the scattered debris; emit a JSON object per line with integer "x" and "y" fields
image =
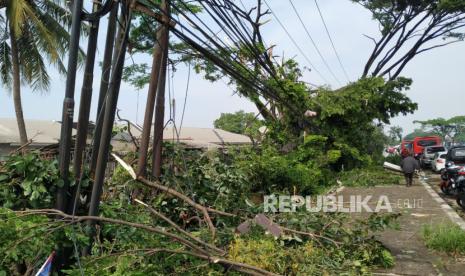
{"x": 262, "y": 220}
{"x": 392, "y": 167}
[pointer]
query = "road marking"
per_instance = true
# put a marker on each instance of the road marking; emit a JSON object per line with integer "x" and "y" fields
{"x": 451, "y": 213}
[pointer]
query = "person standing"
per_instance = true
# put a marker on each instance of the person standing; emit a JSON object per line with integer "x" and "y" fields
{"x": 409, "y": 165}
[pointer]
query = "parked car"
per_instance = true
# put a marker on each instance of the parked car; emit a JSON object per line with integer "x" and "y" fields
{"x": 439, "y": 161}
{"x": 393, "y": 149}
{"x": 456, "y": 155}
{"x": 427, "y": 156}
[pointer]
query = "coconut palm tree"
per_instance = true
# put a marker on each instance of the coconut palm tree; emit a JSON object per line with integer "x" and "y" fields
{"x": 32, "y": 32}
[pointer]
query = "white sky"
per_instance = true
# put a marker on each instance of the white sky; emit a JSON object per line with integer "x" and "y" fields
{"x": 438, "y": 75}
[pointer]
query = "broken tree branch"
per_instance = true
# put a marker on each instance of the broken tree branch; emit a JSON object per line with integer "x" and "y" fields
{"x": 198, "y": 252}
{"x": 177, "y": 227}
{"x": 157, "y": 185}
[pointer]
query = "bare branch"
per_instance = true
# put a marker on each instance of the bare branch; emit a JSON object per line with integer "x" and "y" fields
{"x": 177, "y": 227}
{"x": 371, "y": 38}
{"x": 198, "y": 252}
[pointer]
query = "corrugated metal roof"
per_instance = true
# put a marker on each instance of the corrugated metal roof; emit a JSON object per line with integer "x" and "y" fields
{"x": 202, "y": 137}
{"x": 40, "y": 131}
{"x": 206, "y": 135}
{"x": 48, "y": 132}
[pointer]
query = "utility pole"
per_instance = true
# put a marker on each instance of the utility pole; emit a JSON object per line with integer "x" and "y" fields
{"x": 109, "y": 115}
{"x": 162, "y": 37}
{"x": 160, "y": 101}
{"x": 84, "y": 107}
{"x": 68, "y": 106}
{"x": 106, "y": 72}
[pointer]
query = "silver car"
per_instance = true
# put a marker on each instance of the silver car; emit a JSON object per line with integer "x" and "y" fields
{"x": 428, "y": 154}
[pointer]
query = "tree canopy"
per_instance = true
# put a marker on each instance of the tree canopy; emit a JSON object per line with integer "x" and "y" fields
{"x": 417, "y": 133}
{"x": 239, "y": 122}
{"x": 41, "y": 31}
{"x": 395, "y": 134}
{"x": 409, "y": 28}
{"x": 452, "y": 127}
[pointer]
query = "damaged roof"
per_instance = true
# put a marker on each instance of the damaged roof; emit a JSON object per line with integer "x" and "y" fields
{"x": 44, "y": 132}
{"x": 41, "y": 132}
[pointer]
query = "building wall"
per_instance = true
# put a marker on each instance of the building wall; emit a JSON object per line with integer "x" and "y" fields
{"x": 5, "y": 149}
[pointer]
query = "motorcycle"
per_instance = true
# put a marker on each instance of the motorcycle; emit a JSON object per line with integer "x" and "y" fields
{"x": 460, "y": 188}
{"x": 453, "y": 178}
{"x": 461, "y": 191}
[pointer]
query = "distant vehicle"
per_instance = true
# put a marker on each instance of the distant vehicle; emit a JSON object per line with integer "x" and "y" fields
{"x": 456, "y": 155}
{"x": 417, "y": 145}
{"x": 428, "y": 154}
{"x": 393, "y": 149}
{"x": 439, "y": 161}
{"x": 406, "y": 147}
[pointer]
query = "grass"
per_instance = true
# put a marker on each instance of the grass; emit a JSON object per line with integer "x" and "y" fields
{"x": 444, "y": 237}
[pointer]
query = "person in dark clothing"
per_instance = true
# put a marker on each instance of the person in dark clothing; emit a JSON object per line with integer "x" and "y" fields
{"x": 409, "y": 165}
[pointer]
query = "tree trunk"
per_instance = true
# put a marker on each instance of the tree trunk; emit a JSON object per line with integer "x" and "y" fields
{"x": 265, "y": 112}
{"x": 17, "y": 88}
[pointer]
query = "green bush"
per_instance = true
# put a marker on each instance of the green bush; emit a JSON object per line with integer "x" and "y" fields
{"x": 28, "y": 182}
{"x": 394, "y": 159}
{"x": 368, "y": 177}
{"x": 269, "y": 171}
{"x": 27, "y": 241}
{"x": 290, "y": 255}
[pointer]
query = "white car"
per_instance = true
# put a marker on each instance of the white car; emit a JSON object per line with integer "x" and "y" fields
{"x": 439, "y": 161}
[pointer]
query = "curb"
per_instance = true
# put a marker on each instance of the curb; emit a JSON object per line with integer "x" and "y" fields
{"x": 451, "y": 213}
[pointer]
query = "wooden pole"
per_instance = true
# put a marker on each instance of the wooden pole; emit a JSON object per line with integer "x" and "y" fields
{"x": 68, "y": 107}
{"x": 160, "y": 102}
{"x": 106, "y": 70}
{"x": 158, "y": 56}
{"x": 84, "y": 106}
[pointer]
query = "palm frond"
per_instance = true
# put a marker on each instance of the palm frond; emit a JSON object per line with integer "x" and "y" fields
{"x": 57, "y": 11}
{"x": 16, "y": 15}
{"x": 42, "y": 32}
{"x": 5, "y": 63}
{"x": 62, "y": 36}
{"x": 33, "y": 68}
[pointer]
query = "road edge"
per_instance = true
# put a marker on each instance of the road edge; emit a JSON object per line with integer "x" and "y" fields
{"x": 451, "y": 213}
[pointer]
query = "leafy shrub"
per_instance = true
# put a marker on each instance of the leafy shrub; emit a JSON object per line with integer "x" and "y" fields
{"x": 28, "y": 240}
{"x": 304, "y": 170}
{"x": 28, "y": 182}
{"x": 368, "y": 177}
{"x": 270, "y": 172}
{"x": 445, "y": 237}
{"x": 222, "y": 181}
{"x": 394, "y": 159}
{"x": 290, "y": 255}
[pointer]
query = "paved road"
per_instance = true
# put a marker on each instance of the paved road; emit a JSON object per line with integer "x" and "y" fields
{"x": 418, "y": 208}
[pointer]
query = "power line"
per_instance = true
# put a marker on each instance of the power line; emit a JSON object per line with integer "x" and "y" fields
{"x": 313, "y": 42}
{"x": 295, "y": 43}
{"x": 229, "y": 19}
{"x": 332, "y": 42}
{"x": 228, "y": 64}
{"x": 185, "y": 97}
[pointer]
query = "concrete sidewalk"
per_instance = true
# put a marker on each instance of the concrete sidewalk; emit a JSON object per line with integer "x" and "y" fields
{"x": 418, "y": 207}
